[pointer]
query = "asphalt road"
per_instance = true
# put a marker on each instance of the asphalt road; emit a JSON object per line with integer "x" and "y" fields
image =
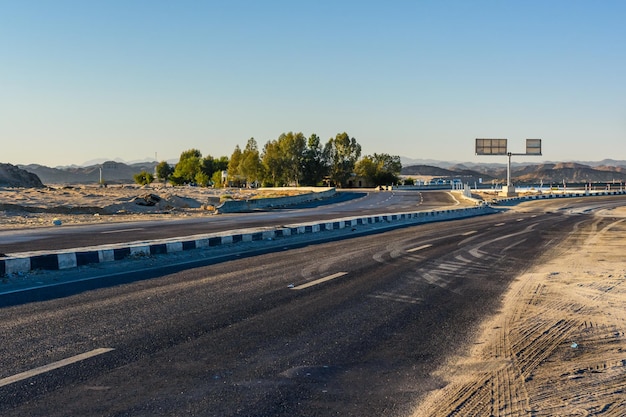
{"x": 350, "y": 327}
{"x": 346, "y": 204}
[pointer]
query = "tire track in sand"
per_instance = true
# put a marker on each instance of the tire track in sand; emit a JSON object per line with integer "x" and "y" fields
{"x": 558, "y": 347}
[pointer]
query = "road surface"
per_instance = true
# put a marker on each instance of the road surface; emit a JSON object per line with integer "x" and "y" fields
{"x": 346, "y": 204}
{"x": 349, "y": 327}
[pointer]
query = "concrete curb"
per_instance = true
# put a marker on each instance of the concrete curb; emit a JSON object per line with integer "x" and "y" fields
{"x": 58, "y": 260}
{"x": 562, "y": 195}
{"x": 239, "y": 206}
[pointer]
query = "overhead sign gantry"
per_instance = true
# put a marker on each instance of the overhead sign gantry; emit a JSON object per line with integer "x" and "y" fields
{"x": 499, "y": 147}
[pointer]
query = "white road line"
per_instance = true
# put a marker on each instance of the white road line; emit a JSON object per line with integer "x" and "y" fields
{"x": 396, "y": 297}
{"x": 319, "y": 281}
{"x": 469, "y": 233}
{"x": 462, "y": 260}
{"x": 499, "y": 224}
{"x": 416, "y": 258}
{"x": 419, "y": 248}
{"x": 121, "y": 231}
{"x": 448, "y": 267}
{"x": 52, "y": 366}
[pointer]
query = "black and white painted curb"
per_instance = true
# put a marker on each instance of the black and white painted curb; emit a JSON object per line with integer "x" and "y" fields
{"x": 560, "y": 195}
{"x": 20, "y": 263}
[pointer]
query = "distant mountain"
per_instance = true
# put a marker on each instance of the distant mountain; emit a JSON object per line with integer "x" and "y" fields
{"x": 99, "y": 161}
{"x": 524, "y": 174}
{"x": 605, "y": 162}
{"x": 454, "y": 172}
{"x": 112, "y": 172}
{"x": 406, "y": 161}
{"x": 607, "y": 170}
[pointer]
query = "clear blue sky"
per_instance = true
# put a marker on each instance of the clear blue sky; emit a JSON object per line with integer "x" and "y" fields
{"x": 81, "y": 80}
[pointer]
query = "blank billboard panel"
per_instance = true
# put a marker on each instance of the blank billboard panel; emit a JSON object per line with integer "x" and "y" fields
{"x": 491, "y": 147}
{"x": 533, "y": 146}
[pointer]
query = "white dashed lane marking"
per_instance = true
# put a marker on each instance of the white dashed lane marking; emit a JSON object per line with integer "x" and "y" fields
{"x": 419, "y": 248}
{"x": 52, "y": 366}
{"x": 319, "y": 281}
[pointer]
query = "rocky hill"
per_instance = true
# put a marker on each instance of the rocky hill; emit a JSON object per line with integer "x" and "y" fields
{"x": 112, "y": 172}
{"x": 12, "y": 176}
{"x": 570, "y": 172}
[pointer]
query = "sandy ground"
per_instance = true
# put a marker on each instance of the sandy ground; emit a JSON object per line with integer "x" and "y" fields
{"x": 557, "y": 348}
{"x": 24, "y": 207}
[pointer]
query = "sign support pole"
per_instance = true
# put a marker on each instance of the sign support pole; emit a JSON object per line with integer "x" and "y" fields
{"x": 508, "y": 171}
{"x": 499, "y": 147}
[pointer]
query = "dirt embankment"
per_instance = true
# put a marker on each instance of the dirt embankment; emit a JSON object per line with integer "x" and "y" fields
{"x": 558, "y": 347}
{"x": 34, "y": 207}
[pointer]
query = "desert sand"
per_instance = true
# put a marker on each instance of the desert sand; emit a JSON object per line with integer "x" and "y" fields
{"x": 557, "y": 348}
{"x": 33, "y": 207}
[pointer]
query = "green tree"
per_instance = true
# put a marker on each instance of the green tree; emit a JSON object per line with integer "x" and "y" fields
{"x": 221, "y": 164}
{"x": 388, "y": 168}
{"x": 187, "y": 167}
{"x": 366, "y": 168}
{"x": 234, "y": 175}
{"x": 216, "y": 179}
{"x": 143, "y": 178}
{"x": 314, "y": 167}
{"x": 342, "y": 152}
{"x": 292, "y": 147}
{"x": 273, "y": 165}
{"x": 207, "y": 165}
{"x": 164, "y": 171}
{"x": 380, "y": 169}
{"x": 250, "y": 167}
{"x": 202, "y": 179}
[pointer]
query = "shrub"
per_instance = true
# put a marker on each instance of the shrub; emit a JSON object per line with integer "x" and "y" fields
{"x": 143, "y": 178}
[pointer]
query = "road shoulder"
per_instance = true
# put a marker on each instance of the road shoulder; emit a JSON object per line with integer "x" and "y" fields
{"x": 557, "y": 346}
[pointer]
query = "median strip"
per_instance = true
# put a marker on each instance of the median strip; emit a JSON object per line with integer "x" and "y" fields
{"x": 13, "y": 265}
{"x": 319, "y": 281}
{"x": 52, "y": 366}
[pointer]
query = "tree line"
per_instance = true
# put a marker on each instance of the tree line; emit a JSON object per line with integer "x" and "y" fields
{"x": 292, "y": 159}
